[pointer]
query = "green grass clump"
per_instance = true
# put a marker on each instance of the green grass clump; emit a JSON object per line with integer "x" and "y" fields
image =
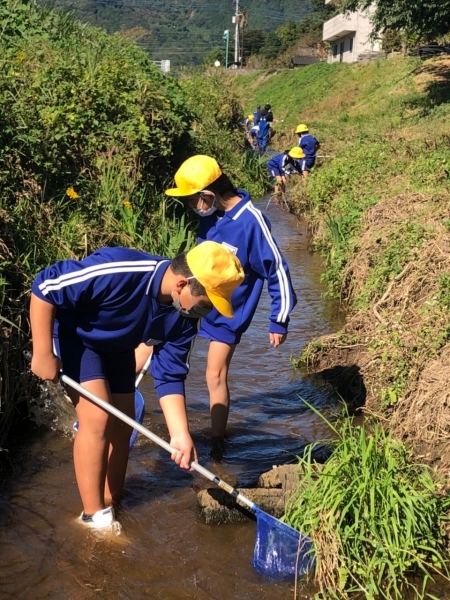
{"x": 375, "y": 516}
{"x": 217, "y": 130}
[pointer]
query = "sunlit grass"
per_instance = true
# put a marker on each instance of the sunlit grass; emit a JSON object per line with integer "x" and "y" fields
{"x": 375, "y": 516}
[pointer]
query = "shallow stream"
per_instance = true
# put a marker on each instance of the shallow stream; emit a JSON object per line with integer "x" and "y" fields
{"x": 166, "y": 551}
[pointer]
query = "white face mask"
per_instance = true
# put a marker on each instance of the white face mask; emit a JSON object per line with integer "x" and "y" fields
{"x": 206, "y": 212}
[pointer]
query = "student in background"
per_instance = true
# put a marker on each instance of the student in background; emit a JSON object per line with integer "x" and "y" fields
{"x": 253, "y": 137}
{"x": 309, "y": 144}
{"x": 249, "y": 122}
{"x": 265, "y": 132}
{"x": 267, "y": 113}
{"x": 263, "y": 135}
{"x": 228, "y": 216}
{"x": 279, "y": 164}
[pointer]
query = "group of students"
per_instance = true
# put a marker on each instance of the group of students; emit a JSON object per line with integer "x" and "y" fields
{"x": 97, "y": 320}
{"x": 259, "y": 128}
{"x": 300, "y": 159}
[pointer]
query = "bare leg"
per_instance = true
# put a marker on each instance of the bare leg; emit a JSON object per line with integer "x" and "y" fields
{"x": 101, "y": 446}
{"x": 119, "y": 449}
{"x": 278, "y": 184}
{"x": 219, "y": 358}
{"x": 90, "y": 450}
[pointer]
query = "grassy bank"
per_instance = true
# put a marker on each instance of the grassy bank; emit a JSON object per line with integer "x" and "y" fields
{"x": 376, "y": 516}
{"x": 378, "y": 209}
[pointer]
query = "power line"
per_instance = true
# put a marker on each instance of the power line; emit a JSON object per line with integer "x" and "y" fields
{"x": 205, "y": 47}
{"x": 166, "y": 49}
{"x": 200, "y": 46}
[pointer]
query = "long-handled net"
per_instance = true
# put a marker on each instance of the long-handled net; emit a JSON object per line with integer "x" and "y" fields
{"x": 281, "y": 552}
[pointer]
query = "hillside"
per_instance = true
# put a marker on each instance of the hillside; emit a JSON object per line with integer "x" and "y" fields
{"x": 378, "y": 207}
{"x": 183, "y": 31}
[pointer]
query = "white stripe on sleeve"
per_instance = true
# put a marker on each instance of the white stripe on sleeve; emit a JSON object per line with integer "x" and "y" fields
{"x": 73, "y": 278}
{"x": 281, "y": 273}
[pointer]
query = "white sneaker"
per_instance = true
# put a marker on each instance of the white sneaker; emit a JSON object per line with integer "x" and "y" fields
{"x": 102, "y": 519}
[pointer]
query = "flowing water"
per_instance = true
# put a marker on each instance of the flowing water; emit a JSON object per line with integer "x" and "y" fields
{"x": 166, "y": 551}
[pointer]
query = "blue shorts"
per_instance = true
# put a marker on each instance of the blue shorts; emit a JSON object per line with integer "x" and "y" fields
{"x": 83, "y": 364}
{"x": 275, "y": 173}
{"x": 224, "y": 336}
{"x": 306, "y": 164}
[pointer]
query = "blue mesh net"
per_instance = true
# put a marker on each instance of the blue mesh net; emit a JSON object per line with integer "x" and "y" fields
{"x": 280, "y": 550}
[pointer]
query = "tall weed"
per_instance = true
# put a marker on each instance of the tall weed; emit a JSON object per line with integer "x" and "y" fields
{"x": 375, "y": 516}
{"x": 217, "y": 130}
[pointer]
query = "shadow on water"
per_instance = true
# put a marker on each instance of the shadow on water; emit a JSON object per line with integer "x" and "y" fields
{"x": 166, "y": 551}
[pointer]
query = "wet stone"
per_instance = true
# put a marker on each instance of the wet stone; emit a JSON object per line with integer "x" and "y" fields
{"x": 218, "y": 507}
{"x": 284, "y": 477}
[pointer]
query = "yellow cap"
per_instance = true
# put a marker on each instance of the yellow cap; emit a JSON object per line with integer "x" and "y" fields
{"x": 296, "y": 152}
{"x": 219, "y": 271}
{"x": 251, "y": 117}
{"x": 194, "y": 175}
{"x": 302, "y": 128}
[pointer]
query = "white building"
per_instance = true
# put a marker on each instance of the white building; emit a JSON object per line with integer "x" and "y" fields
{"x": 349, "y": 36}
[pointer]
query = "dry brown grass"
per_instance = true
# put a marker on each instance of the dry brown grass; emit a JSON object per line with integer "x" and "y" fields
{"x": 401, "y": 327}
{"x": 433, "y": 71}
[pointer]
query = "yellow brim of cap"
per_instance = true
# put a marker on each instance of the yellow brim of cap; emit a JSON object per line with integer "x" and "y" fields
{"x": 178, "y": 192}
{"x": 222, "y": 304}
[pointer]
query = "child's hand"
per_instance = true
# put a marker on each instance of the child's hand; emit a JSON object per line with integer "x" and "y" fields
{"x": 276, "y": 339}
{"x": 46, "y": 366}
{"x": 186, "y": 451}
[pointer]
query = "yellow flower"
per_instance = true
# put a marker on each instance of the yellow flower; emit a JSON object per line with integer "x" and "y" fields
{"x": 72, "y": 193}
{"x": 21, "y": 55}
{"x": 127, "y": 204}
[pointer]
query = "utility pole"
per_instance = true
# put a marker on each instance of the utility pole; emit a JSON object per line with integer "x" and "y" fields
{"x": 236, "y": 34}
{"x": 226, "y": 37}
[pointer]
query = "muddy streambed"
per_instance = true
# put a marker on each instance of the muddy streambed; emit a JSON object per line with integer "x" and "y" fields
{"x": 166, "y": 551}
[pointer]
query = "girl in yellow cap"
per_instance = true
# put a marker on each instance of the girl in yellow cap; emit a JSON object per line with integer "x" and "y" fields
{"x": 228, "y": 216}
{"x": 309, "y": 145}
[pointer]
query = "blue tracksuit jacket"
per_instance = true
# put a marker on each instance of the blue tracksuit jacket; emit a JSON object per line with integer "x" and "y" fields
{"x": 246, "y": 231}
{"x": 308, "y": 143}
{"x": 278, "y": 164}
{"x": 109, "y": 301}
